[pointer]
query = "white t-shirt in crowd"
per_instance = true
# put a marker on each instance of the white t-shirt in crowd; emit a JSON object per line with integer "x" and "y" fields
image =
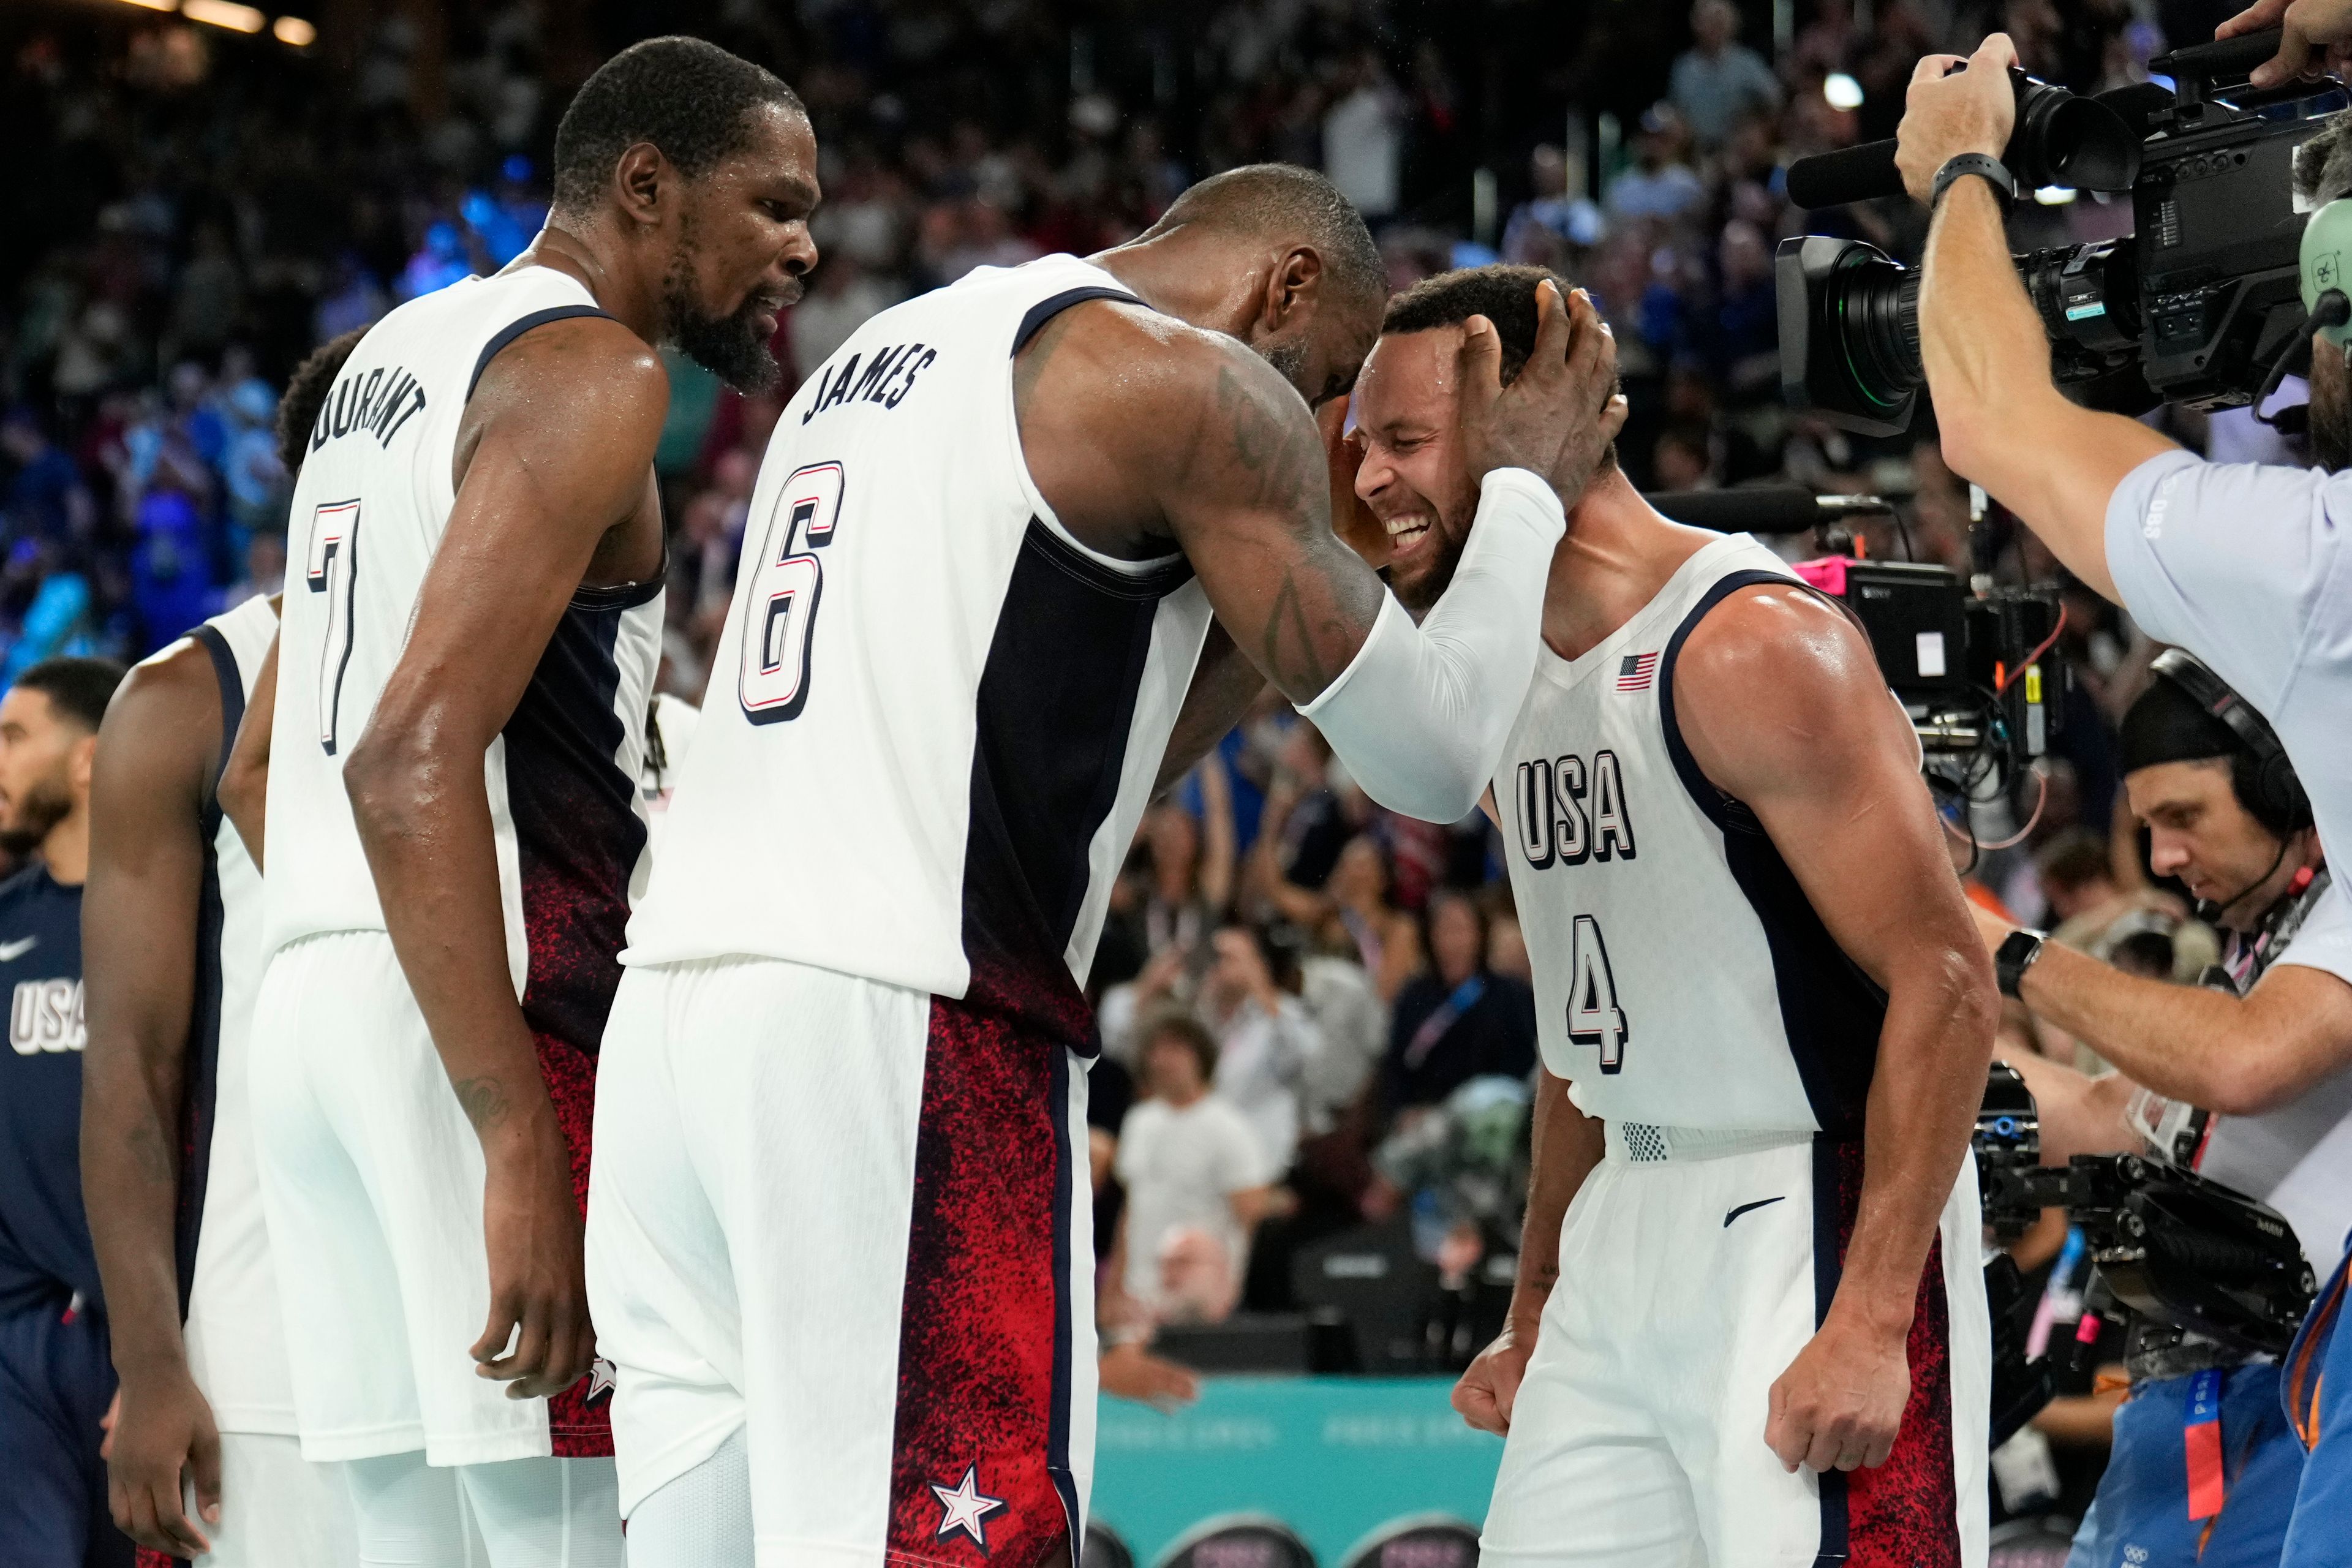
{"x": 2299, "y": 1157}
{"x": 1261, "y": 1057}
{"x": 2244, "y": 566}
{"x": 1182, "y": 1166}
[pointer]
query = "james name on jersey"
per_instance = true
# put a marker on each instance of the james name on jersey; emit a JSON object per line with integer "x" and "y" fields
{"x": 46, "y": 1016}
{"x": 888, "y": 376}
{"x": 1571, "y": 812}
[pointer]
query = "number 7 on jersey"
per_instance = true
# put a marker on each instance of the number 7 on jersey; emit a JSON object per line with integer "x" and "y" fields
{"x": 787, "y": 580}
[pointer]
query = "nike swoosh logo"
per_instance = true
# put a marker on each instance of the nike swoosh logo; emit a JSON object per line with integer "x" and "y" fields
{"x": 10, "y": 952}
{"x": 1743, "y": 1208}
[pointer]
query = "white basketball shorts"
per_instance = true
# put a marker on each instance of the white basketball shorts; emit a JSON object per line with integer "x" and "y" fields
{"x": 854, "y": 1222}
{"x": 277, "y": 1509}
{"x": 1687, "y": 1284}
{"x": 372, "y": 1182}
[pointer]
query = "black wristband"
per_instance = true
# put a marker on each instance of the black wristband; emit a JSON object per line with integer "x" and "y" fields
{"x": 1992, "y": 170}
{"x": 2014, "y": 957}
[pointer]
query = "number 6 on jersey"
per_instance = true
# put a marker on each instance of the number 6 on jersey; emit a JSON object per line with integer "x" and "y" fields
{"x": 786, "y": 583}
{"x": 1593, "y": 1017}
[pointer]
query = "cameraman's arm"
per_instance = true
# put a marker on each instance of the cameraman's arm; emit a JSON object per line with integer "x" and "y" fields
{"x": 2079, "y": 1114}
{"x": 2002, "y": 420}
{"x": 2236, "y": 1056}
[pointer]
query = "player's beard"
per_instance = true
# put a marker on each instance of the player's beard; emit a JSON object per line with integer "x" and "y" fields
{"x": 730, "y": 347}
{"x": 45, "y": 806}
{"x": 2331, "y": 418}
{"x": 1289, "y": 361}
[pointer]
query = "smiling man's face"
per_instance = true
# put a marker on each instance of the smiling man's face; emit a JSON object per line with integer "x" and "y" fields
{"x": 1413, "y": 477}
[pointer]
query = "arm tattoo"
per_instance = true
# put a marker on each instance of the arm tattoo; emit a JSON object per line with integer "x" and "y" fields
{"x": 484, "y": 1100}
{"x": 1290, "y": 643}
{"x": 1281, "y": 452}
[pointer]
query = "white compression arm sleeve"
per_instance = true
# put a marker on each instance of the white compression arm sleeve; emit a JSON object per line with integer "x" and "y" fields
{"x": 1420, "y": 713}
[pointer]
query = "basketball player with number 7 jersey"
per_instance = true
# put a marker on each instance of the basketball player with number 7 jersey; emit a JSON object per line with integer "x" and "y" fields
{"x": 453, "y": 827}
{"x": 1750, "y": 1327}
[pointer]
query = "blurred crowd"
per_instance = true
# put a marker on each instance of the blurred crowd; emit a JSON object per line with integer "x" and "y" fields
{"x": 1318, "y": 1011}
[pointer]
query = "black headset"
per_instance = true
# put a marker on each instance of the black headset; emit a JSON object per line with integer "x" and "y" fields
{"x": 2263, "y": 779}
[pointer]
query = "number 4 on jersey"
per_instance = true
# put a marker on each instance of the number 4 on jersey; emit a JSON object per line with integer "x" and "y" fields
{"x": 1593, "y": 1017}
{"x": 786, "y": 583}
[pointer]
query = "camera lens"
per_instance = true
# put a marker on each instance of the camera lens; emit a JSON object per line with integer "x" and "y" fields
{"x": 1875, "y": 308}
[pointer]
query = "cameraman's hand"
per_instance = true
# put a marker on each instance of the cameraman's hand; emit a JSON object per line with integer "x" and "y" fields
{"x": 1948, "y": 113}
{"x": 2306, "y": 24}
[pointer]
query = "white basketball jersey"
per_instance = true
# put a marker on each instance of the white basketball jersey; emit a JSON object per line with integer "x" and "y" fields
{"x": 236, "y": 1348}
{"x": 370, "y": 508}
{"x": 934, "y": 718}
{"x": 1682, "y": 978}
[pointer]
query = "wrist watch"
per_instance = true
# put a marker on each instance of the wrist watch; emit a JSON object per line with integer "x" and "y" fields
{"x": 1992, "y": 170}
{"x": 2014, "y": 957}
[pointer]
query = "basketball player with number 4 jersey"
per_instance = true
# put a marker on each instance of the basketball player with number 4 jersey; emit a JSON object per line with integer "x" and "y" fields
{"x": 453, "y": 822}
{"x": 1749, "y": 1325}
{"x": 838, "y": 1242}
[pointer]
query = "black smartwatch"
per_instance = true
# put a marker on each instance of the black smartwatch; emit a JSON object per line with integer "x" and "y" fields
{"x": 1992, "y": 170}
{"x": 2013, "y": 957}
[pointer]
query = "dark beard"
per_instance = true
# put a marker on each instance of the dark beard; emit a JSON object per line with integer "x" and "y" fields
{"x": 729, "y": 347}
{"x": 1289, "y": 361}
{"x": 45, "y": 806}
{"x": 2331, "y": 431}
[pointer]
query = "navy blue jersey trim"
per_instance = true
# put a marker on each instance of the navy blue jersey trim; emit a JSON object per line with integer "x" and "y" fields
{"x": 1831, "y": 1010}
{"x": 608, "y": 597}
{"x": 1058, "y": 1429}
{"x": 1829, "y": 1268}
{"x": 232, "y": 702}
{"x": 516, "y": 328}
{"x": 1721, "y": 809}
{"x": 1046, "y": 310}
{"x": 1142, "y": 587}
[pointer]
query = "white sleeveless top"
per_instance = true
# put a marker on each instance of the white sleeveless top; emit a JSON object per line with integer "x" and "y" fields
{"x": 934, "y": 717}
{"x": 1682, "y": 979}
{"x": 370, "y": 508}
{"x": 236, "y": 1348}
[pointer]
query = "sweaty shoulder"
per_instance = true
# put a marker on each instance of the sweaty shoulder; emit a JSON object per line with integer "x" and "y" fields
{"x": 583, "y": 387}
{"x": 1776, "y": 679}
{"x": 1121, "y": 408}
{"x": 169, "y": 703}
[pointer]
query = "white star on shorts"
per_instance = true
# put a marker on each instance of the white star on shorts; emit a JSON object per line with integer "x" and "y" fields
{"x": 963, "y": 1506}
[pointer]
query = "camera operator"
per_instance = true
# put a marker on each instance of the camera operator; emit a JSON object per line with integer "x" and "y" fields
{"x": 2248, "y": 1081}
{"x": 2243, "y": 566}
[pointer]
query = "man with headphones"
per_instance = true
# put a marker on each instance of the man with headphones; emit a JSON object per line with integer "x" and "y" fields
{"x": 2247, "y": 1081}
{"x": 2245, "y": 565}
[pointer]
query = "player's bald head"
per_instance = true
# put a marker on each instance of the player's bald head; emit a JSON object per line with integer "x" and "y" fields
{"x": 1281, "y": 203}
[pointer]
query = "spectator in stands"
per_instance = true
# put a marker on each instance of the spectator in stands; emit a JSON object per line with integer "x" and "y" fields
{"x": 1660, "y": 184}
{"x": 1459, "y": 1019}
{"x": 1265, "y": 1036}
{"x": 45, "y": 498}
{"x": 1198, "y": 1182}
{"x": 1555, "y": 226}
{"x": 1719, "y": 81}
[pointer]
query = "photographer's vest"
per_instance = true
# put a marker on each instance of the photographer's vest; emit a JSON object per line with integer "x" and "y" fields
{"x": 2298, "y": 1158}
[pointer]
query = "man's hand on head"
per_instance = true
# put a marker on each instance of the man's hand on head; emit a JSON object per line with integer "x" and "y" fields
{"x": 2314, "y": 38}
{"x": 1563, "y": 409}
{"x": 1948, "y": 113}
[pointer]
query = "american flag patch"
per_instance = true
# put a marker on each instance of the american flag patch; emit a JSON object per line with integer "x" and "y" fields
{"x": 1636, "y": 670}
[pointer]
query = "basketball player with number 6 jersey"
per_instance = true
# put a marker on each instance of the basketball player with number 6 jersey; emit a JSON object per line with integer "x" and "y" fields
{"x": 1749, "y": 1325}
{"x": 453, "y": 821}
{"x": 838, "y": 1242}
